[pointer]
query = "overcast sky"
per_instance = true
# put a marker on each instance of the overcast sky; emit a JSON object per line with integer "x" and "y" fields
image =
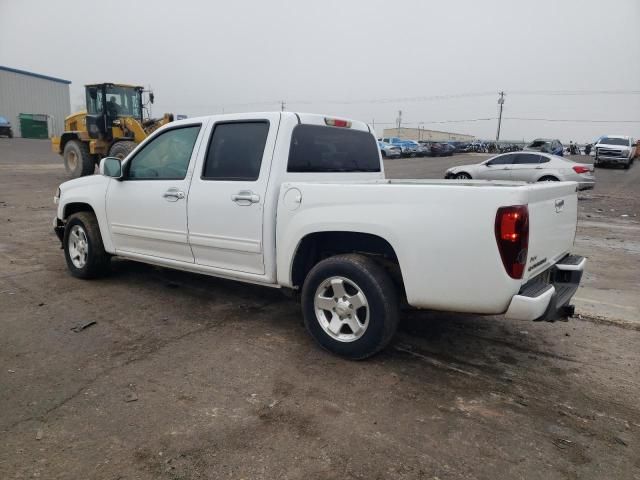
{"x": 359, "y": 59}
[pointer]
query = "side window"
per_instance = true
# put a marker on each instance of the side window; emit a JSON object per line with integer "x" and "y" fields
{"x": 166, "y": 157}
{"x": 235, "y": 151}
{"x": 526, "y": 158}
{"x": 502, "y": 160}
{"x": 544, "y": 159}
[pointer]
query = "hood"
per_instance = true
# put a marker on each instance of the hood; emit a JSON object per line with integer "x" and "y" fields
{"x": 84, "y": 182}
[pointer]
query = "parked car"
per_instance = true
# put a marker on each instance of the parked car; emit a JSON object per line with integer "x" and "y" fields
{"x": 615, "y": 150}
{"x": 5, "y": 127}
{"x": 447, "y": 149}
{"x": 389, "y": 151}
{"x": 435, "y": 149}
{"x": 407, "y": 147}
{"x": 545, "y": 145}
{"x": 301, "y": 203}
{"x": 527, "y": 167}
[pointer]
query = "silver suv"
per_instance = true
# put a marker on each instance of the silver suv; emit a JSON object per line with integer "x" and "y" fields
{"x": 615, "y": 150}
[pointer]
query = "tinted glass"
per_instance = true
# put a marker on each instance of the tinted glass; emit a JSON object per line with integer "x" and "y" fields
{"x": 166, "y": 157}
{"x": 526, "y": 158}
{"x": 615, "y": 141}
{"x": 235, "y": 151}
{"x": 503, "y": 160}
{"x": 538, "y": 144}
{"x": 331, "y": 149}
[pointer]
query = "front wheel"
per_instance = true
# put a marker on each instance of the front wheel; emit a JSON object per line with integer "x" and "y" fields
{"x": 350, "y": 306}
{"x": 548, "y": 178}
{"x": 83, "y": 247}
{"x": 463, "y": 176}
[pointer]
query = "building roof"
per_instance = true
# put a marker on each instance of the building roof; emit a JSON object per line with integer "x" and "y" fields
{"x": 37, "y": 75}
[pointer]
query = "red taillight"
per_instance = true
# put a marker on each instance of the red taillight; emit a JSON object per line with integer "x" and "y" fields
{"x": 334, "y": 122}
{"x": 581, "y": 169}
{"x": 512, "y": 235}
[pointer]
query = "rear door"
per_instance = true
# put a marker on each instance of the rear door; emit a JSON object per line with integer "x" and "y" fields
{"x": 227, "y": 195}
{"x": 525, "y": 167}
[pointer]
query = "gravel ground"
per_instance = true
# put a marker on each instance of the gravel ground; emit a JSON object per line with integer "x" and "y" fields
{"x": 191, "y": 377}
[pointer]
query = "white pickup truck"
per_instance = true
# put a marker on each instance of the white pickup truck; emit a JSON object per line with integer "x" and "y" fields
{"x": 300, "y": 201}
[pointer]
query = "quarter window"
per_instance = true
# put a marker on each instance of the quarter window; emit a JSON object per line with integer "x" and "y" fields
{"x": 166, "y": 157}
{"x": 235, "y": 151}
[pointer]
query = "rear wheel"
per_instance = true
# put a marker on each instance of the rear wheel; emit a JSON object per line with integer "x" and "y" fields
{"x": 463, "y": 176}
{"x": 78, "y": 162}
{"x": 350, "y": 306}
{"x": 548, "y": 178}
{"x": 122, "y": 149}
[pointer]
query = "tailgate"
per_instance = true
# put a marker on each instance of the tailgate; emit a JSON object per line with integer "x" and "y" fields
{"x": 553, "y": 216}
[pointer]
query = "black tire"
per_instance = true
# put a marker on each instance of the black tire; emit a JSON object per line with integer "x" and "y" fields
{"x": 78, "y": 162}
{"x": 382, "y": 304}
{"x": 97, "y": 259}
{"x": 548, "y": 178}
{"x": 122, "y": 149}
{"x": 10, "y": 134}
{"x": 627, "y": 165}
{"x": 463, "y": 176}
{"x": 384, "y": 154}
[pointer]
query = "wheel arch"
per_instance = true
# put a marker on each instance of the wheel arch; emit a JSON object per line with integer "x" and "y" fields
{"x": 316, "y": 246}
{"x": 76, "y": 207}
{"x": 66, "y": 137}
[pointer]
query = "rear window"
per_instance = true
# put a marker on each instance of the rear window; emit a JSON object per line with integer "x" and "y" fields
{"x": 614, "y": 141}
{"x": 315, "y": 148}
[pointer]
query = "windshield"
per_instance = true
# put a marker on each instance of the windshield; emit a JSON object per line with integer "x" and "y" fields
{"x": 3, "y": 121}
{"x": 614, "y": 141}
{"x": 123, "y": 102}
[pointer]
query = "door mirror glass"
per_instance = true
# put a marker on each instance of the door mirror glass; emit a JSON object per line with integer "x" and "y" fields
{"x": 111, "y": 167}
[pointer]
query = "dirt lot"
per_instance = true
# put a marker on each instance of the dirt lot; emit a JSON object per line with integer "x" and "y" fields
{"x": 190, "y": 377}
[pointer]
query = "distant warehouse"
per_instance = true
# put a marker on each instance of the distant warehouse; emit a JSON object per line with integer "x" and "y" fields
{"x": 429, "y": 135}
{"x": 35, "y": 104}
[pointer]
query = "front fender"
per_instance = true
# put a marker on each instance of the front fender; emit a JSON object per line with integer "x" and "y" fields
{"x": 87, "y": 191}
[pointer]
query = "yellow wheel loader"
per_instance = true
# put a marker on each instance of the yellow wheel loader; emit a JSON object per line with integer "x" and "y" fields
{"x": 111, "y": 126}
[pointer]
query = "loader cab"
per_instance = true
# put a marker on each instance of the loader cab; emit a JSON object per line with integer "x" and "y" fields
{"x": 107, "y": 102}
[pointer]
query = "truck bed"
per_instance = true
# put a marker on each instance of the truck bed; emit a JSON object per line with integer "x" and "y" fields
{"x": 442, "y": 231}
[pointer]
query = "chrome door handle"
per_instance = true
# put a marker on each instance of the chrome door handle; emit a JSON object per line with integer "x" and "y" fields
{"x": 173, "y": 195}
{"x": 245, "y": 197}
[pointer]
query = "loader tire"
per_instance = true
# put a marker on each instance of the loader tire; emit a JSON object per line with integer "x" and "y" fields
{"x": 122, "y": 149}
{"x": 78, "y": 162}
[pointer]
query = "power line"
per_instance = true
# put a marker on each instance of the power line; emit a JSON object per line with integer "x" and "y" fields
{"x": 570, "y": 120}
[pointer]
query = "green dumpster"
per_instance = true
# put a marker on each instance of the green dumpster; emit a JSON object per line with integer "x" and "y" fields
{"x": 33, "y": 125}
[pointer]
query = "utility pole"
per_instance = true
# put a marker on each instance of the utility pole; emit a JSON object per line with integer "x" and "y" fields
{"x": 399, "y": 122}
{"x": 501, "y": 103}
{"x": 282, "y": 105}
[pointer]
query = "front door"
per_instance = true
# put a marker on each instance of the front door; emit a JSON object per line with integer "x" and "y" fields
{"x": 498, "y": 168}
{"x": 147, "y": 209}
{"x": 227, "y": 195}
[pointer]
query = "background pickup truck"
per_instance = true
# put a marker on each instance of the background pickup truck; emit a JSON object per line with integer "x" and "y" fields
{"x": 300, "y": 201}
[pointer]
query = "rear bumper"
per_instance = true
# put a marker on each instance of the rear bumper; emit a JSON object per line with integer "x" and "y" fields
{"x": 588, "y": 185}
{"x": 547, "y": 296}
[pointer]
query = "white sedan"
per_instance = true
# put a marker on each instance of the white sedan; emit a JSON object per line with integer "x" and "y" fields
{"x": 527, "y": 167}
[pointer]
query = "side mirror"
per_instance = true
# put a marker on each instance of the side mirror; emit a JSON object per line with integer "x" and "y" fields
{"x": 93, "y": 93}
{"x": 111, "y": 167}
{"x": 488, "y": 164}
{"x": 151, "y": 97}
